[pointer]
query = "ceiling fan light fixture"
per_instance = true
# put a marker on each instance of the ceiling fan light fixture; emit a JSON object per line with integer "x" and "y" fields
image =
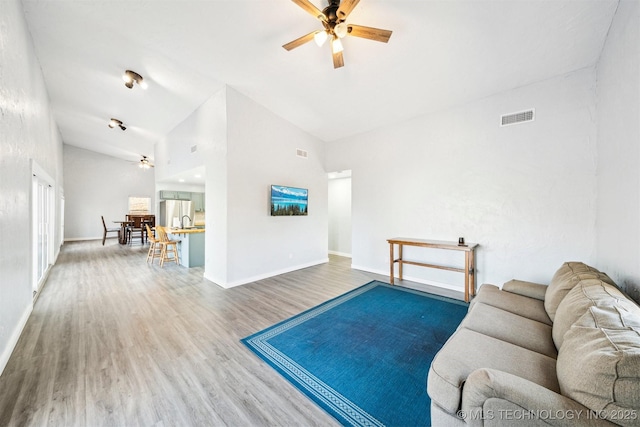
{"x": 341, "y": 30}
{"x": 336, "y": 45}
{"x": 320, "y": 37}
{"x": 333, "y": 19}
{"x": 131, "y": 77}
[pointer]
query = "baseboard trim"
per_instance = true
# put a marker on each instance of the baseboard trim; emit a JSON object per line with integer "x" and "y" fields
{"x": 82, "y": 239}
{"x": 266, "y": 275}
{"x": 411, "y": 278}
{"x": 15, "y": 336}
{"x": 344, "y": 254}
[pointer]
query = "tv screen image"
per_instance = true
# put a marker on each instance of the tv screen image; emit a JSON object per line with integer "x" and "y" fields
{"x": 288, "y": 201}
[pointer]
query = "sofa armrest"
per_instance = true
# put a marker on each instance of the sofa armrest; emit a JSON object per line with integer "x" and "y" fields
{"x": 527, "y": 289}
{"x": 492, "y": 397}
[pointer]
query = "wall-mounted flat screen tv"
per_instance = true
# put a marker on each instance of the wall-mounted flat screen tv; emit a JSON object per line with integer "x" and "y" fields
{"x": 288, "y": 201}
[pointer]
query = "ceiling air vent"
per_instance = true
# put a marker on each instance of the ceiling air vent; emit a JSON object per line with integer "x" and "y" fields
{"x": 194, "y": 148}
{"x": 515, "y": 118}
{"x": 301, "y": 153}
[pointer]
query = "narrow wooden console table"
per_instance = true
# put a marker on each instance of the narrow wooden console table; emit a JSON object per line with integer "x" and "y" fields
{"x": 469, "y": 259}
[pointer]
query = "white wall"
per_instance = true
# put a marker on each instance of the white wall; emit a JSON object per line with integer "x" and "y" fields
{"x": 245, "y": 148}
{"x": 172, "y": 186}
{"x": 619, "y": 150}
{"x": 339, "y": 206}
{"x": 525, "y": 193}
{"x": 97, "y": 184}
{"x": 206, "y": 127}
{"x": 27, "y": 131}
{"x": 216, "y": 191}
{"x": 261, "y": 150}
{"x": 173, "y": 153}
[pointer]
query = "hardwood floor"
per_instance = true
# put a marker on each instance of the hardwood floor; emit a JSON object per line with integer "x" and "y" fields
{"x": 114, "y": 341}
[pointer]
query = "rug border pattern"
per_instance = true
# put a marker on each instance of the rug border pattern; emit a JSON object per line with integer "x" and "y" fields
{"x": 313, "y": 385}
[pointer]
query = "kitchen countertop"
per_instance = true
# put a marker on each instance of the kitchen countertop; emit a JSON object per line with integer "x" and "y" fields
{"x": 185, "y": 230}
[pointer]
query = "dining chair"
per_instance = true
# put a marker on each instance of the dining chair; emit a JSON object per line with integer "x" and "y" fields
{"x": 135, "y": 227}
{"x": 108, "y": 230}
{"x": 168, "y": 247}
{"x": 155, "y": 246}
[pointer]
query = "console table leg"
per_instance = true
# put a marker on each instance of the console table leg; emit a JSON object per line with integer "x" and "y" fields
{"x": 472, "y": 272}
{"x": 466, "y": 276}
{"x": 391, "y": 273}
{"x": 400, "y": 261}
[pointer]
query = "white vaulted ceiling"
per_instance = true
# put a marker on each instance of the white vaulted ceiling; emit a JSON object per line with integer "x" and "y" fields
{"x": 441, "y": 53}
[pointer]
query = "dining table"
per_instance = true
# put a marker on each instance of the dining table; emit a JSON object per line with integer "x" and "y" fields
{"x": 122, "y": 239}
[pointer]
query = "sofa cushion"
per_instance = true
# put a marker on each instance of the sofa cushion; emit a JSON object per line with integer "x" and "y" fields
{"x": 511, "y": 327}
{"x": 468, "y": 350}
{"x": 600, "y": 367}
{"x": 528, "y": 289}
{"x": 588, "y": 293}
{"x": 567, "y": 276}
{"x": 530, "y": 308}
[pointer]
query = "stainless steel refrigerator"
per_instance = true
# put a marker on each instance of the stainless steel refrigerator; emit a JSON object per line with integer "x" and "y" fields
{"x": 173, "y": 211}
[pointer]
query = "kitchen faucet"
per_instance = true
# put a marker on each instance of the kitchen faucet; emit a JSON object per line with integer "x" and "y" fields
{"x": 182, "y": 220}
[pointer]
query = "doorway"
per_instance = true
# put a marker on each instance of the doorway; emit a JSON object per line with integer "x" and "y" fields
{"x": 339, "y": 212}
{"x": 42, "y": 204}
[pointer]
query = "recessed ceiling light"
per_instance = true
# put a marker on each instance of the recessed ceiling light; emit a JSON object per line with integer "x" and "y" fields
{"x": 131, "y": 77}
{"x": 198, "y": 176}
{"x": 181, "y": 180}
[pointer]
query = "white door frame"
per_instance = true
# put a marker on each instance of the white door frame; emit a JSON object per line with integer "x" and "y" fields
{"x": 43, "y": 217}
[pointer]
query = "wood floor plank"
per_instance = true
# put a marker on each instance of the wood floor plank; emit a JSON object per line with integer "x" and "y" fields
{"x": 115, "y": 341}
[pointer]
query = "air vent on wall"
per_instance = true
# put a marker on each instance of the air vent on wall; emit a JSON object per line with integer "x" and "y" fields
{"x": 515, "y": 118}
{"x": 301, "y": 153}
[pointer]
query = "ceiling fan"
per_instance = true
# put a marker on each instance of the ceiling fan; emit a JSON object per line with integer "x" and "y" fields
{"x": 145, "y": 163}
{"x": 333, "y": 19}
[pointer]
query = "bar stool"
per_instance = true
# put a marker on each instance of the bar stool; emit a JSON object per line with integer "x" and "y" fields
{"x": 168, "y": 247}
{"x": 155, "y": 247}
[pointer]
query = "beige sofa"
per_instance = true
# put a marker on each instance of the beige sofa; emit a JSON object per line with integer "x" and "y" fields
{"x": 566, "y": 354}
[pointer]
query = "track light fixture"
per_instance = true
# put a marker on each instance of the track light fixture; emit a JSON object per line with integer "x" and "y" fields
{"x": 115, "y": 122}
{"x": 130, "y": 77}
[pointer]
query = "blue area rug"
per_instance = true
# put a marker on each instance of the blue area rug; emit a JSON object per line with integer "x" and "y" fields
{"x": 364, "y": 356}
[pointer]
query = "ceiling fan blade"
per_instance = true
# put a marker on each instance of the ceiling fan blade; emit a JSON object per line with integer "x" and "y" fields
{"x": 300, "y": 41}
{"x": 346, "y": 7}
{"x": 338, "y": 60}
{"x": 309, "y": 7}
{"x": 369, "y": 33}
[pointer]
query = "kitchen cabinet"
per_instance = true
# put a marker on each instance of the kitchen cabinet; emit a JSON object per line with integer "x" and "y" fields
{"x": 174, "y": 195}
{"x": 190, "y": 246}
{"x": 168, "y": 195}
{"x": 198, "y": 201}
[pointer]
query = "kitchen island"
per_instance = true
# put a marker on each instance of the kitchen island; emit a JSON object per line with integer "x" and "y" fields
{"x": 191, "y": 246}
